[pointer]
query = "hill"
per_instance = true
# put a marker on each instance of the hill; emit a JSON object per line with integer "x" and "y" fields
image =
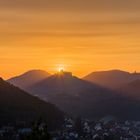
{"x": 82, "y": 98}
{"x": 131, "y": 89}
{"x": 17, "y": 105}
{"x": 59, "y": 83}
{"x": 28, "y": 78}
{"x": 112, "y": 79}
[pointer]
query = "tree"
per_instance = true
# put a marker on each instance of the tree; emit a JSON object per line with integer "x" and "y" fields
{"x": 39, "y": 132}
{"x": 78, "y": 125}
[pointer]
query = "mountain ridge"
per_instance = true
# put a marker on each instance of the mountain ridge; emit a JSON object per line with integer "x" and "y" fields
{"x": 28, "y": 78}
{"x": 79, "y": 97}
{"x": 112, "y": 78}
{"x": 83, "y": 98}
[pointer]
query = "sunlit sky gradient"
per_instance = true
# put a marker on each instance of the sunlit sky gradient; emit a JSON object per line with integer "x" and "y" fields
{"x": 80, "y": 35}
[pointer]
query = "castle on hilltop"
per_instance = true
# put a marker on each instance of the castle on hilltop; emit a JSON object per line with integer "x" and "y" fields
{"x": 66, "y": 74}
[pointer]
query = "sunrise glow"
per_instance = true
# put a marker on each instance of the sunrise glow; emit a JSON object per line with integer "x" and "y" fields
{"x": 71, "y": 68}
{"x": 88, "y": 35}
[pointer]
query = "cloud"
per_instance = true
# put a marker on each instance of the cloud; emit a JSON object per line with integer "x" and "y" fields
{"x": 46, "y": 5}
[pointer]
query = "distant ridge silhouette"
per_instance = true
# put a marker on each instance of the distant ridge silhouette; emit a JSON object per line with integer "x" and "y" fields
{"x": 112, "y": 79}
{"x": 80, "y": 97}
{"x": 28, "y": 78}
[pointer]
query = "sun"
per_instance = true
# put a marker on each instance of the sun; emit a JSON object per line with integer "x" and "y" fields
{"x": 60, "y": 69}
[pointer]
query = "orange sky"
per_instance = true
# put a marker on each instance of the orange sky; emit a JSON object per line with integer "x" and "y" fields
{"x": 81, "y": 35}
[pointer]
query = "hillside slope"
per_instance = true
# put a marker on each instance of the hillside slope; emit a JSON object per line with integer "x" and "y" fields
{"x": 28, "y": 78}
{"x": 112, "y": 79}
{"x": 81, "y": 98}
{"x": 17, "y": 105}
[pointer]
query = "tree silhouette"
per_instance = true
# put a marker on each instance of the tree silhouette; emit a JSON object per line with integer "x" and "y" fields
{"x": 39, "y": 132}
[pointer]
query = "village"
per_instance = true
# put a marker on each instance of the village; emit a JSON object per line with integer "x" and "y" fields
{"x": 105, "y": 129}
{"x": 78, "y": 129}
